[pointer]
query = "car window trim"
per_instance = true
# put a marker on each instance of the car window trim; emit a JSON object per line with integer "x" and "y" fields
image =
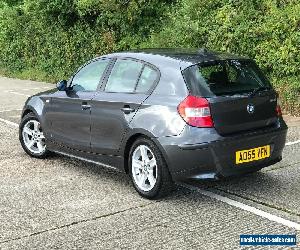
{"x": 151, "y": 89}
{"x": 70, "y": 81}
{"x": 139, "y": 77}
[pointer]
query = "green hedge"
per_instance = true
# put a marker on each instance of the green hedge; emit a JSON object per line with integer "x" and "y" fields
{"x": 48, "y": 40}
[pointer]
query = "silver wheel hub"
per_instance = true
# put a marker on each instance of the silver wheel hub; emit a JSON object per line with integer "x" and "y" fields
{"x": 33, "y": 137}
{"x": 144, "y": 168}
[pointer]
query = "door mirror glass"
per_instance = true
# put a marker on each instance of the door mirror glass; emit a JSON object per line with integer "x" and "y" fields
{"x": 62, "y": 85}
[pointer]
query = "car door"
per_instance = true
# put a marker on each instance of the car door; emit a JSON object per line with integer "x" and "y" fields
{"x": 70, "y": 111}
{"x": 127, "y": 86}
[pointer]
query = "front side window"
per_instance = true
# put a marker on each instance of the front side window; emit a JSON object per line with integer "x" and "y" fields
{"x": 225, "y": 77}
{"x": 124, "y": 76}
{"x": 88, "y": 78}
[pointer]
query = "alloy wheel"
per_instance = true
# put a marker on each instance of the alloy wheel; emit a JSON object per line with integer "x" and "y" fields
{"x": 144, "y": 168}
{"x": 33, "y": 137}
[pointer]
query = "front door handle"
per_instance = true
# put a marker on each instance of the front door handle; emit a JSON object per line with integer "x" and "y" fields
{"x": 85, "y": 106}
{"x": 127, "y": 110}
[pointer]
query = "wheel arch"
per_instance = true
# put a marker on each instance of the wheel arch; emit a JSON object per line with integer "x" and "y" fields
{"x": 34, "y": 105}
{"x": 132, "y": 138}
{"x": 26, "y": 111}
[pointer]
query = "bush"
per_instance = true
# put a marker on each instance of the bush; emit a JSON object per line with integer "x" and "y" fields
{"x": 48, "y": 39}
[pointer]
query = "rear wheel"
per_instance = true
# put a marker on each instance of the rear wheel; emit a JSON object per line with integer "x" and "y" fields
{"x": 32, "y": 137}
{"x": 148, "y": 170}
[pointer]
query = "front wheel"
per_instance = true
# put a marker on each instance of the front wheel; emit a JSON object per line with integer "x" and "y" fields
{"x": 32, "y": 137}
{"x": 148, "y": 170}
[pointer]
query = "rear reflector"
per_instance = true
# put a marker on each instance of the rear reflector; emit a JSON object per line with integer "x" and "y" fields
{"x": 196, "y": 112}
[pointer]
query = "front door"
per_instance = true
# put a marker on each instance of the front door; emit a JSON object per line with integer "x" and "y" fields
{"x": 69, "y": 112}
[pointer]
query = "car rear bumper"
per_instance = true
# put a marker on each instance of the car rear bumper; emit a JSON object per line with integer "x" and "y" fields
{"x": 211, "y": 159}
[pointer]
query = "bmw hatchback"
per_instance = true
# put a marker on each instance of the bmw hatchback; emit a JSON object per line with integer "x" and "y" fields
{"x": 161, "y": 116}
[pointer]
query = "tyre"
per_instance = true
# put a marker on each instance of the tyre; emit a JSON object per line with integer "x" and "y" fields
{"x": 148, "y": 170}
{"x": 31, "y": 137}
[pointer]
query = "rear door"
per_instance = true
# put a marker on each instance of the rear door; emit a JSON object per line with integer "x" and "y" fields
{"x": 126, "y": 88}
{"x": 69, "y": 112}
{"x": 235, "y": 105}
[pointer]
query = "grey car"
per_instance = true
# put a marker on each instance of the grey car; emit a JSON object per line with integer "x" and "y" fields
{"x": 162, "y": 116}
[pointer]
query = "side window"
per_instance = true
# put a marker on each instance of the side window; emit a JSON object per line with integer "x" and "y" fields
{"x": 88, "y": 78}
{"x": 124, "y": 76}
{"x": 147, "y": 79}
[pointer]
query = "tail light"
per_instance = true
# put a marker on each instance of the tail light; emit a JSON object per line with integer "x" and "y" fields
{"x": 196, "y": 112}
{"x": 278, "y": 108}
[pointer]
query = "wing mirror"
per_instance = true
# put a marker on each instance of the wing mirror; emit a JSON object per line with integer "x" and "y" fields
{"x": 62, "y": 85}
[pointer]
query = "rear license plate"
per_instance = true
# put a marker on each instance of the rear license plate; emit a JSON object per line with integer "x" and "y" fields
{"x": 253, "y": 154}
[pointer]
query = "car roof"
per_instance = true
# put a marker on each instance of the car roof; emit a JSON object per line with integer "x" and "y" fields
{"x": 181, "y": 57}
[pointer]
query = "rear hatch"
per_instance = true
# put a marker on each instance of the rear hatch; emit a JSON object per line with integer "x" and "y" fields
{"x": 240, "y": 96}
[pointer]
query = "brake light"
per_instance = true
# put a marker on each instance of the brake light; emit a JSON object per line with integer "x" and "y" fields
{"x": 278, "y": 110}
{"x": 196, "y": 112}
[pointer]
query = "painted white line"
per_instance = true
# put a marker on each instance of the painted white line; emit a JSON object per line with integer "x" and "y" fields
{"x": 9, "y": 110}
{"x": 9, "y": 90}
{"x": 36, "y": 88}
{"x": 292, "y": 143}
{"x": 17, "y": 93}
{"x": 16, "y": 125}
{"x": 245, "y": 207}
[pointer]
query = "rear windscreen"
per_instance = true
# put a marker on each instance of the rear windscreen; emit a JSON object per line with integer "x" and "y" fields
{"x": 226, "y": 77}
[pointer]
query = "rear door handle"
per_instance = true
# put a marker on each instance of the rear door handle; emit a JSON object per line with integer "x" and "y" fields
{"x": 127, "y": 110}
{"x": 85, "y": 106}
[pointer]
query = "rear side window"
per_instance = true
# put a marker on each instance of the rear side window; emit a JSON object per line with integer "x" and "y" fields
{"x": 225, "y": 77}
{"x": 124, "y": 76}
{"x": 147, "y": 79}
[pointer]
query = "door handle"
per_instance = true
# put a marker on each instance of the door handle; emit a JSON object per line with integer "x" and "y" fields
{"x": 85, "y": 106}
{"x": 127, "y": 110}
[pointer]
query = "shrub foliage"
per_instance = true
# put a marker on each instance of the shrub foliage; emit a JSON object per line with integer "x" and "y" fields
{"x": 49, "y": 39}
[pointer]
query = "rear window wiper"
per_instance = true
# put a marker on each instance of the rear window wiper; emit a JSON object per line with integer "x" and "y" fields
{"x": 256, "y": 90}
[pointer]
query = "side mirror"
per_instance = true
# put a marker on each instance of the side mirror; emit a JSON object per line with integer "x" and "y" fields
{"x": 62, "y": 85}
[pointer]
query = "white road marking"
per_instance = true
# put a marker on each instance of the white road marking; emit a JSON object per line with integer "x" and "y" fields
{"x": 245, "y": 207}
{"x": 22, "y": 94}
{"x": 17, "y": 93}
{"x": 9, "y": 110}
{"x": 10, "y": 123}
{"x": 292, "y": 143}
{"x": 9, "y": 90}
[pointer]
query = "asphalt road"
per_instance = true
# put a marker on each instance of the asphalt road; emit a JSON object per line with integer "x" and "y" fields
{"x": 62, "y": 203}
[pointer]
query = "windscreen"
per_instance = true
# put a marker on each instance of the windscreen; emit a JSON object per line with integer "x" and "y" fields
{"x": 226, "y": 77}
